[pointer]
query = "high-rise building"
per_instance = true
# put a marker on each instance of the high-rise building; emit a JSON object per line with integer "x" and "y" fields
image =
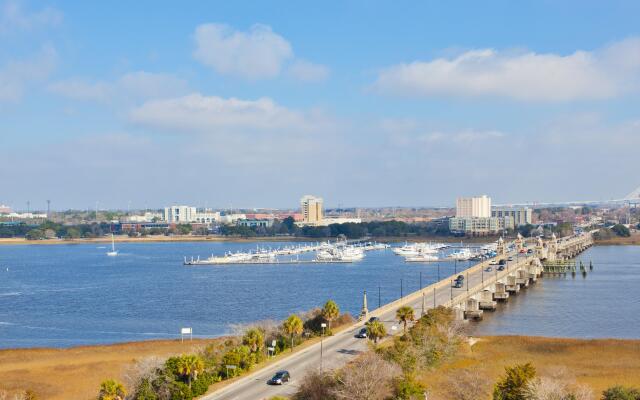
{"x": 180, "y": 214}
{"x": 311, "y": 208}
{"x": 521, "y": 215}
{"x": 473, "y": 207}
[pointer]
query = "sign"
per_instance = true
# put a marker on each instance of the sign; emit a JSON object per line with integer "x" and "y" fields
{"x": 184, "y": 332}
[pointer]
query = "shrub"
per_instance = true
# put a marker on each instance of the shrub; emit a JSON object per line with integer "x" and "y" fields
{"x": 621, "y": 230}
{"x": 407, "y": 388}
{"x": 316, "y": 385}
{"x": 621, "y": 393}
{"x": 513, "y": 385}
{"x": 201, "y": 385}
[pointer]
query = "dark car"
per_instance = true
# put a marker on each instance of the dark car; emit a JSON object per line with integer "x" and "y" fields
{"x": 362, "y": 334}
{"x": 529, "y": 251}
{"x": 460, "y": 278}
{"x": 280, "y": 378}
{"x": 500, "y": 267}
{"x": 372, "y": 319}
{"x": 503, "y": 262}
{"x": 458, "y": 284}
{"x": 510, "y": 258}
{"x": 488, "y": 269}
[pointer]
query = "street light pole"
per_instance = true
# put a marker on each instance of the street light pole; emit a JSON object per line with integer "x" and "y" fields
{"x": 401, "y": 289}
{"x": 323, "y": 325}
{"x": 420, "y": 280}
{"x": 379, "y": 303}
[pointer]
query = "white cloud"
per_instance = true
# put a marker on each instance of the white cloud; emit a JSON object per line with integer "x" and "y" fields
{"x": 527, "y": 76}
{"x": 13, "y": 17}
{"x": 306, "y": 71}
{"x": 137, "y": 85}
{"x": 258, "y": 53}
{"x": 211, "y": 114}
{"x": 16, "y": 75}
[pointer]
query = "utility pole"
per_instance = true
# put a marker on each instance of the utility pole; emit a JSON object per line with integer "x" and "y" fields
{"x": 28, "y": 206}
{"x": 48, "y": 208}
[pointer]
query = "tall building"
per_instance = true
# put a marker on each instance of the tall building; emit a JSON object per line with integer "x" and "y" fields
{"x": 311, "y": 208}
{"x": 180, "y": 214}
{"x": 473, "y": 207}
{"x": 521, "y": 215}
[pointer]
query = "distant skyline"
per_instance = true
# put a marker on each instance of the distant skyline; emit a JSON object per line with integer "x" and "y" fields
{"x": 254, "y": 104}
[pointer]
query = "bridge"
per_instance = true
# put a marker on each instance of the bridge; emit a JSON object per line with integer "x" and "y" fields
{"x": 483, "y": 288}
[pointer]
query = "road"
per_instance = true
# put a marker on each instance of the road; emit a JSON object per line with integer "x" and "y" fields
{"x": 341, "y": 348}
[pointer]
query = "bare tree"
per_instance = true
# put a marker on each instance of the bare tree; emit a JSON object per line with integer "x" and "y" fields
{"x": 548, "y": 388}
{"x": 369, "y": 377}
{"x": 316, "y": 385}
{"x": 468, "y": 384}
{"x": 145, "y": 368}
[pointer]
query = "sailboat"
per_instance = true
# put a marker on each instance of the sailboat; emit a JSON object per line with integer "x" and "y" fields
{"x": 113, "y": 251}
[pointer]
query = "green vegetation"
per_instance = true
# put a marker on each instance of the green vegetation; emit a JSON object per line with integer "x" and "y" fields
{"x": 330, "y": 311}
{"x": 513, "y": 385}
{"x": 190, "y": 375}
{"x": 621, "y": 230}
{"x": 376, "y": 330}
{"x": 621, "y": 393}
{"x": 111, "y": 390}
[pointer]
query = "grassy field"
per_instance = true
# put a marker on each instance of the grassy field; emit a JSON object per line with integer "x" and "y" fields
{"x": 634, "y": 239}
{"x": 76, "y": 373}
{"x": 596, "y": 363}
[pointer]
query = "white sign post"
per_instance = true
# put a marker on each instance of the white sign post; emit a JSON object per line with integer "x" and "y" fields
{"x": 186, "y": 331}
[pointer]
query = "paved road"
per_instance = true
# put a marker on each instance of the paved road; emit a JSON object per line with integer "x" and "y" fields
{"x": 343, "y": 347}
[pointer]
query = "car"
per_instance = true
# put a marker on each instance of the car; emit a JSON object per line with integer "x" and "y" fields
{"x": 500, "y": 268}
{"x": 510, "y": 258}
{"x": 458, "y": 284}
{"x": 460, "y": 278}
{"x": 502, "y": 262}
{"x": 280, "y": 378}
{"x": 522, "y": 251}
{"x": 529, "y": 251}
{"x": 372, "y": 319}
{"x": 488, "y": 269}
{"x": 362, "y": 334}
{"x": 493, "y": 262}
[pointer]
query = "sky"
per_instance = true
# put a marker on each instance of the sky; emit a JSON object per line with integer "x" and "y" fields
{"x": 365, "y": 103}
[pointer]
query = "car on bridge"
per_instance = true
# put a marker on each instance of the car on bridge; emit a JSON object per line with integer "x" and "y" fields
{"x": 488, "y": 269}
{"x": 500, "y": 268}
{"x": 493, "y": 262}
{"x": 503, "y": 262}
{"x": 280, "y": 378}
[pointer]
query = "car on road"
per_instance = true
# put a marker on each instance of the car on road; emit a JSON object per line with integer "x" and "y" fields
{"x": 503, "y": 262}
{"x": 522, "y": 251}
{"x": 362, "y": 334}
{"x": 510, "y": 258}
{"x": 280, "y": 378}
{"x": 372, "y": 319}
{"x": 529, "y": 251}
{"x": 488, "y": 269}
{"x": 493, "y": 262}
{"x": 460, "y": 278}
{"x": 458, "y": 284}
{"x": 500, "y": 267}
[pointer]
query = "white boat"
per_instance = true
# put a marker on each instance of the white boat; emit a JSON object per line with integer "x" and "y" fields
{"x": 463, "y": 254}
{"x": 421, "y": 258}
{"x": 113, "y": 251}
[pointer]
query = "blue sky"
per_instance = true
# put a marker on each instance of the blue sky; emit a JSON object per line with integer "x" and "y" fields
{"x": 253, "y": 104}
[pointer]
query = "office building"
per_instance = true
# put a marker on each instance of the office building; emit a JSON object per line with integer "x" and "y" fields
{"x": 473, "y": 207}
{"x": 480, "y": 226}
{"x": 311, "y": 209}
{"x": 180, "y": 214}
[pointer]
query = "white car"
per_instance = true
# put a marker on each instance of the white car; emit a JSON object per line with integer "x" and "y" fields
{"x": 493, "y": 262}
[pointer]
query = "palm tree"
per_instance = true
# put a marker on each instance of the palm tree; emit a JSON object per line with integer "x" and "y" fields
{"x": 330, "y": 311}
{"x": 376, "y": 330}
{"x": 190, "y": 366}
{"x": 292, "y": 326}
{"x": 404, "y": 314}
{"x": 111, "y": 390}
{"x": 254, "y": 338}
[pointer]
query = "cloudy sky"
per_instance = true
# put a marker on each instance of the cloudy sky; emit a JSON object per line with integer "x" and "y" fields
{"x": 253, "y": 104}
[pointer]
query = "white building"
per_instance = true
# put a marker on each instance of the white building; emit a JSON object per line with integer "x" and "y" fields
{"x": 311, "y": 209}
{"x": 180, "y": 214}
{"x": 473, "y": 207}
{"x": 207, "y": 216}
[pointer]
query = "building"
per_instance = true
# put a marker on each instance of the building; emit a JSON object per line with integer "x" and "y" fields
{"x": 4, "y": 209}
{"x": 266, "y": 223}
{"x": 180, "y": 214}
{"x": 480, "y": 226}
{"x": 521, "y": 215}
{"x": 473, "y": 207}
{"x": 311, "y": 208}
{"x": 207, "y": 216}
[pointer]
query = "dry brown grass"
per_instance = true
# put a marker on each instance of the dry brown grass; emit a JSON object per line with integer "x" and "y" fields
{"x": 634, "y": 239}
{"x": 596, "y": 363}
{"x": 76, "y": 373}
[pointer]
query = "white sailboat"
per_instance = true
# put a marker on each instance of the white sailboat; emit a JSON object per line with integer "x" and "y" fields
{"x": 113, "y": 251}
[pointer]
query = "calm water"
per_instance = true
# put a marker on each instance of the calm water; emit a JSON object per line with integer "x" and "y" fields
{"x": 605, "y": 304}
{"x": 66, "y": 295}
{"x": 73, "y": 294}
